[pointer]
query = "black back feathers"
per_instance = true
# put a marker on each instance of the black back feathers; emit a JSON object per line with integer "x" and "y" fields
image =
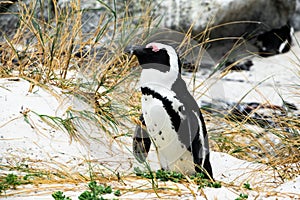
{"x": 275, "y": 41}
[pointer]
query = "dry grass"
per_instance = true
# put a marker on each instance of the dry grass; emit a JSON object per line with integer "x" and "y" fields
{"x": 46, "y": 54}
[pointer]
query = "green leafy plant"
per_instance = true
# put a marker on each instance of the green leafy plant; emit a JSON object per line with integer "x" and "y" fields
{"x": 59, "y": 195}
{"x": 199, "y": 179}
{"x": 117, "y": 193}
{"x": 169, "y": 176}
{"x": 96, "y": 191}
{"x": 139, "y": 172}
{"x": 160, "y": 175}
{"x": 247, "y": 186}
{"x": 176, "y": 177}
{"x": 11, "y": 181}
{"x": 32, "y": 176}
{"x": 242, "y": 197}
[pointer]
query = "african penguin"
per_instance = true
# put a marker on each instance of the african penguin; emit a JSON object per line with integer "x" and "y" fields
{"x": 171, "y": 118}
{"x": 275, "y": 41}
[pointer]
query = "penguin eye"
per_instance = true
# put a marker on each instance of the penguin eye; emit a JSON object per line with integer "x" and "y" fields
{"x": 181, "y": 108}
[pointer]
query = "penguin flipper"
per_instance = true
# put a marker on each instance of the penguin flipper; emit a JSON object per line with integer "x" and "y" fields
{"x": 203, "y": 162}
{"x": 141, "y": 141}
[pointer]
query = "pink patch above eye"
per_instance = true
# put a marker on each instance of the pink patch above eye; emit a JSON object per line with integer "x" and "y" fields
{"x": 154, "y": 47}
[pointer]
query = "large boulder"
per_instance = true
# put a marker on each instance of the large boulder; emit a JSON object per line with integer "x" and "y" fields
{"x": 10, "y": 14}
{"x": 8, "y": 20}
{"x": 182, "y": 14}
{"x": 226, "y": 21}
{"x": 200, "y": 14}
{"x": 225, "y": 18}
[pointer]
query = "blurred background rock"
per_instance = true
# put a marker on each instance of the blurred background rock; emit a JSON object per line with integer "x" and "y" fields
{"x": 232, "y": 20}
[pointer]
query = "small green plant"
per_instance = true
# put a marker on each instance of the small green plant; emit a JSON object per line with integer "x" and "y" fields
{"x": 163, "y": 175}
{"x": 139, "y": 172}
{"x": 199, "y": 179}
{"x": 160, "y": 175}
{"x": 96, "y": 191}
{"x": 169, "y": 176}
{"x": 242, "y": 197}
{"x": 59, "y": 195}
{"x": 8, "y": 182}
{"x": 117, "y": 193}
{"x": 12, "y": 180}
{"x": 247, "y": 186}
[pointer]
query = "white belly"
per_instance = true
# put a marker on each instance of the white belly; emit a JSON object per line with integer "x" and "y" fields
{"x": 172, "y": 154}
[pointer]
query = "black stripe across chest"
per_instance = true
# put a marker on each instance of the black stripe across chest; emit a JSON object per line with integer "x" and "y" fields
{"x": 167, "y": 104}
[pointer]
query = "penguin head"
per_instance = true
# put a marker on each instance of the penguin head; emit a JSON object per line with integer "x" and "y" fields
{"x": 157, "y": 56}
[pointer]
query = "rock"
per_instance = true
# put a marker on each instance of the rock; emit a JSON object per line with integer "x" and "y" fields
{"x": 255, "y": 16}
{"x": 182, "y": 14}
{"x": 9, "y": 21}
{"x": 258, "y": 16}
{"x": 295, "y": 20}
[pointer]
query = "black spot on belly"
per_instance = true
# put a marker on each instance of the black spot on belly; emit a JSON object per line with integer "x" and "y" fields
{"x": 163, "y": 138}
{"x": 159, "y": 133}
{"x": 167, "y": 104}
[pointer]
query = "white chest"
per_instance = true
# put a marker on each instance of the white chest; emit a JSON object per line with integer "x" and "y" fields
{"x": 158, "y": 78}
{"x": 172, "y": 154}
